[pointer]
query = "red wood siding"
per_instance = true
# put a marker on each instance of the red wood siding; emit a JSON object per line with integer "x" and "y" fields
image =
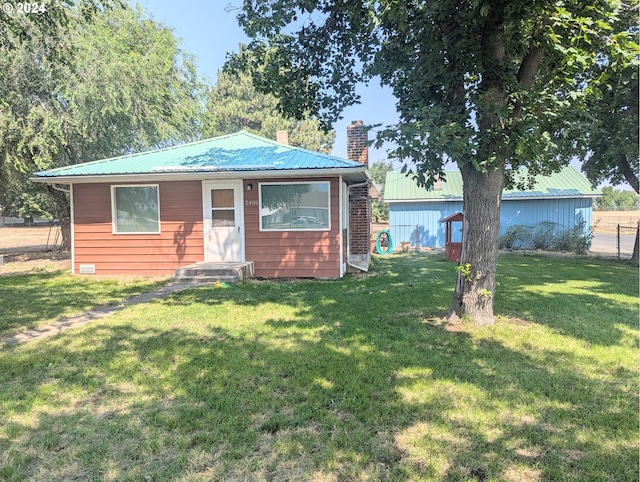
{"x": 179, "y": 243}
{"x": 295, "y": 254}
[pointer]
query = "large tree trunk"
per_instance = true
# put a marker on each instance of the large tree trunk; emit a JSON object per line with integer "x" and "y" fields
{"x": 632, "y": 179}
{"x": 476, "y": 283}
{"x": 63, "y": 209}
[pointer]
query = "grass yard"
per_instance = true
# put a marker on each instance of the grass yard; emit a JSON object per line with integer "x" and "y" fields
{"x": 355, "y": 379}
{"x": 33, "y": 299}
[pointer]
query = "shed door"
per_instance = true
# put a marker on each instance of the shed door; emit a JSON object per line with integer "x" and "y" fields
{"x": 223, "y": 221}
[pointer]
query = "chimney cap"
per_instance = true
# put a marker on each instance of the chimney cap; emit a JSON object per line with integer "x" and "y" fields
{"x": 282, "y": 137}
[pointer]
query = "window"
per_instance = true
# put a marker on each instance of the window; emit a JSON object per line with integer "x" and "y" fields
{"x": 223, "y": 214}
{"x": 294, "y": 206}
{"x": 136, "y": 209}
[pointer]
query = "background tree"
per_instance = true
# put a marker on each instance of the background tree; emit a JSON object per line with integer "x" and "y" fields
{"x": 123, "y": 85}
{"x": 234, "y": 104}
{"x": 379, "y": 208}
{"x": 608, "y": 142}
{"x": 490, "y": 84}
{"x": 617, "y": 200}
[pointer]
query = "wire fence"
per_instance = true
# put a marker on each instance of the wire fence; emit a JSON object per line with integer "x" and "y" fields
{"x": 614, "y": 239}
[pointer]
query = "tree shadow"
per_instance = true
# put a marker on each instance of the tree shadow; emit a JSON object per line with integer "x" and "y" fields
{"x": 29, "y": 299}
{"x": 336, "y": 386}
{"x": 535, "y": 288}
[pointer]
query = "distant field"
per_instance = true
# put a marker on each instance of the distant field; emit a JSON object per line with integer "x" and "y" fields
{"x": 621, "y": 217}
{"x": 609, "y": 220}
{"x": 14, "y": 239}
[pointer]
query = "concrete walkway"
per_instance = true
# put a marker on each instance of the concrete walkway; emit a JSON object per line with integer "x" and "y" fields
{"x": 92, "y": 315}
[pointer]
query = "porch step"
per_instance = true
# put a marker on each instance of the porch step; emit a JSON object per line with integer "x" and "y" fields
{"x": 228, "y": 272}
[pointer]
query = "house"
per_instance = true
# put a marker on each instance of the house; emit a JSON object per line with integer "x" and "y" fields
{"x": 415, "y": 213}
{"x": 235, "y": 198}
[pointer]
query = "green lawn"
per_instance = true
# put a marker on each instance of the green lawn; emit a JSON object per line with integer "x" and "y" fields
{"x": 28, "y": 301}
{"x": 355, "y": 379}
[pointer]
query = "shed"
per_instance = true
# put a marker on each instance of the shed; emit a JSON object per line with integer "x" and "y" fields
{"x": 290, "y": 212}
{"x": 564, "y": 198}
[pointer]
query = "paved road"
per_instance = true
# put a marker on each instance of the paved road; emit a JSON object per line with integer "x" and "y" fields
{"x": 606, "y": 243}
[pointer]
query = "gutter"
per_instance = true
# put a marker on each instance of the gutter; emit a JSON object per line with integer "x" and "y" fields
{"x": 348, "y": 173}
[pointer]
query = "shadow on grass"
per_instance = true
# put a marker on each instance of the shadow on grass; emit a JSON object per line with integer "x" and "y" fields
{"x": 347, "y": 380}
{"x": 28, "y": 300}
{"x": 590, "y": 300}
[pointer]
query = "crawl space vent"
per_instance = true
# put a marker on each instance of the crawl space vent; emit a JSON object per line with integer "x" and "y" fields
{"x": 87, "y": 269}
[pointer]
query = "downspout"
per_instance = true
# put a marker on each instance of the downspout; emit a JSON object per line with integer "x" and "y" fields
{"x": 67, "y": 191}
{"x": 351, "y": 262}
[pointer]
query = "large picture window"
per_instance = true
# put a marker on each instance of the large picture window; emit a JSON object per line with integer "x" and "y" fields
{"x": 136, "y": 209}
{"x": 294, "y": 206}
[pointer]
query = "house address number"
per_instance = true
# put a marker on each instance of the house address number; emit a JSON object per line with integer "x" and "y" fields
{"x": 251, "y": 202}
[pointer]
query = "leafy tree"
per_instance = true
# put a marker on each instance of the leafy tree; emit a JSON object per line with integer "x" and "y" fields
{"x": 617, "y": 200}
{"x": 234, "y": 104}
{"x": 378, "y": 171}
{"x": 88, "y": 90}
{"x": 490, "y": 84}
{"x": 609, "y": 144}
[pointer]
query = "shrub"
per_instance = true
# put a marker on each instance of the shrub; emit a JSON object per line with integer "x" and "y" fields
{"x": 543, "y": 236}
{"x": 516, "y": 236}
{"x": 575, "y": 240}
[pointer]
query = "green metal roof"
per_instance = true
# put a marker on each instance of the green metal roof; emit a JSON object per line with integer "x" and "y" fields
{"x": 566, "y": 183}
{"x": 239, "y": 152}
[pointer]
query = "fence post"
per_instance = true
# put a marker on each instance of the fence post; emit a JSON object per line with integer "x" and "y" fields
{"x": 417, "y": 239}
{"x": 618, "y": 241}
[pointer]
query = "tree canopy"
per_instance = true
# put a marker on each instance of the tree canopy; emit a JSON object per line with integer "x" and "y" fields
{"x": 233, "y": 104}
{"x": 490, "y": 84}
{"x": 82, "y": 90}
{"x": 378, "y": 170}
{"x": 617, "y": 200}
{"x": 609, "y": 144}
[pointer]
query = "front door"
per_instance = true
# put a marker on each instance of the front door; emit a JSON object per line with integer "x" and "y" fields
{"x": 223, "y": 221}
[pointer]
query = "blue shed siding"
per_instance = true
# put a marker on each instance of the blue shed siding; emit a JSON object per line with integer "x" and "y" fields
{"x": 567, "y": 213}
{"x": 420, "y": 221}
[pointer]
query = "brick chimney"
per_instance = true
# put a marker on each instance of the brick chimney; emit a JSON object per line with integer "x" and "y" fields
{"x": 282, "y": 137}
{"x": 359, "y": 252}
{"x": 357, "y": 148}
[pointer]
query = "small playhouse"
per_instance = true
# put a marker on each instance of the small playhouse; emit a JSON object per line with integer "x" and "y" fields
{"x": 453, "y": 236}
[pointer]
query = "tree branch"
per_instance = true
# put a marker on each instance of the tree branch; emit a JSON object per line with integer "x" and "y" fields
{"x": 629, "y": 175}
{"x": 527, "y": 74}
{"x": 529, "y": 67}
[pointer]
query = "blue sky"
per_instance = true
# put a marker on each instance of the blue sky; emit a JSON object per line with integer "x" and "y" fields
{"x": 208, "y": 31}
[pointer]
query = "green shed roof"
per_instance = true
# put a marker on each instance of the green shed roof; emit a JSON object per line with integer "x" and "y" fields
{"x": 239, "y": 152}
{"x": 566, "y": 183}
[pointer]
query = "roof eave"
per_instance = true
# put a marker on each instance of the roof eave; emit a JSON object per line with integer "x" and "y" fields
{"x": 423, "y": 200}
{"x": 352, "y": 174}
{"x": 504, "y": 198}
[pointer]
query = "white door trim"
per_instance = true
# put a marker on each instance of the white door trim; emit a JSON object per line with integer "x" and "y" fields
{"x": 237, "y": 186}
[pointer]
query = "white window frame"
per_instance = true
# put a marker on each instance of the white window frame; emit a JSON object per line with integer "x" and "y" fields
{"x": 114, "y": 210}
{"x": 294, "y": 230}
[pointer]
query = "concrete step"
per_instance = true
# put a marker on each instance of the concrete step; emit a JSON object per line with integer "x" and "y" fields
{"x": 208, "y": 272}
{"x": 206, "y": 279}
